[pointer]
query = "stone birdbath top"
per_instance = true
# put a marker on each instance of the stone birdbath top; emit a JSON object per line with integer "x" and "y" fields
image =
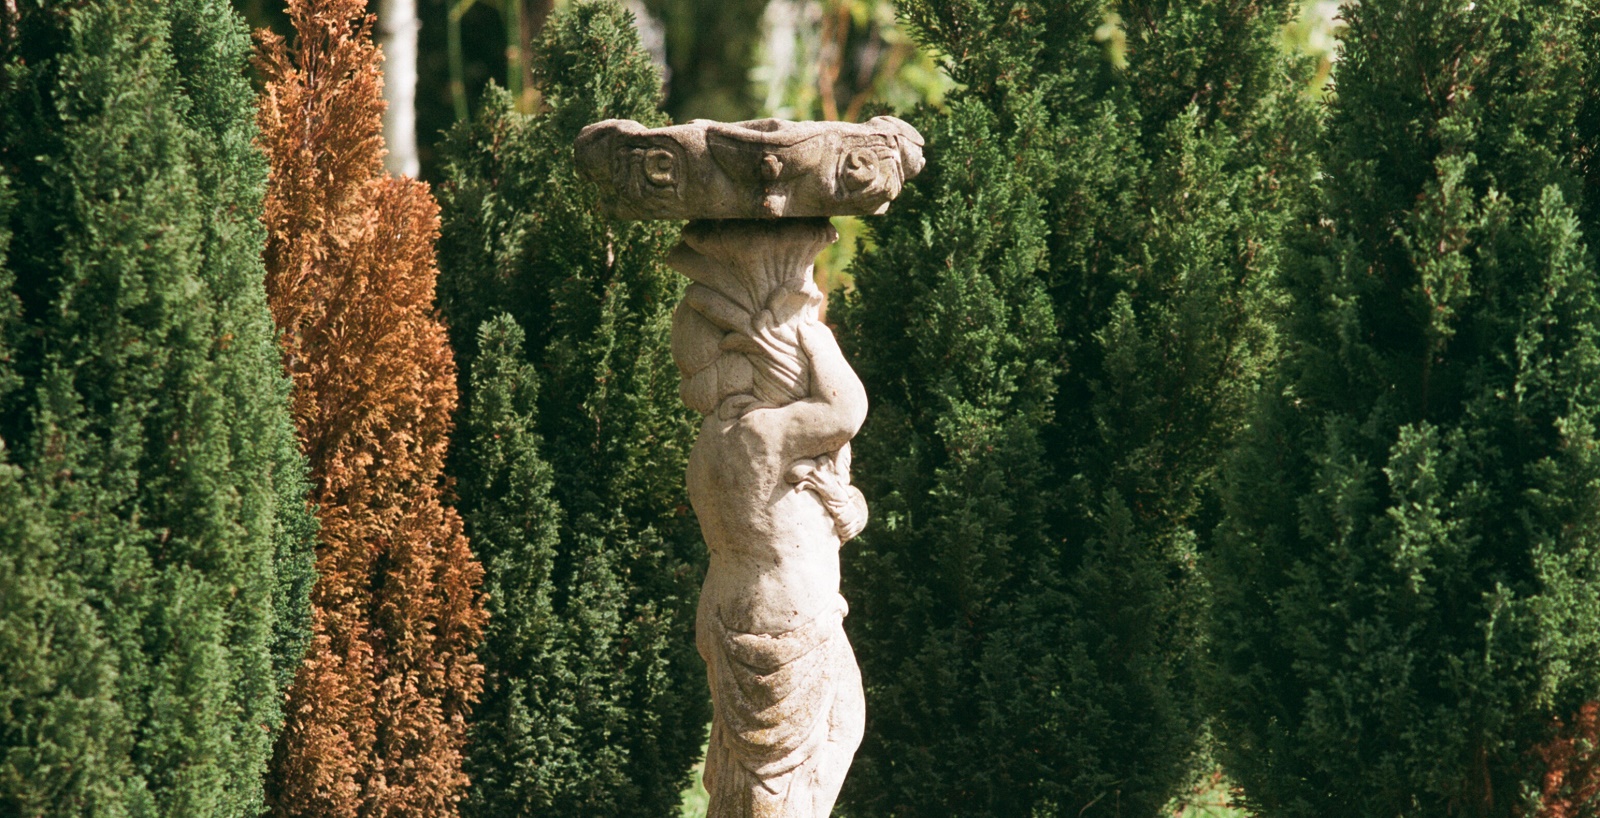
{"x": 761, "y": 169}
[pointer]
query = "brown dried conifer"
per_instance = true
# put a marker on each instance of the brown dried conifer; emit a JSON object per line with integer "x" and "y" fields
{"x": 376, "y": 716}
{"x": 1571, "y": 761}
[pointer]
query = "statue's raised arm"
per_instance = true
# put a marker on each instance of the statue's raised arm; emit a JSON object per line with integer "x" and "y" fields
{"x": 769, "y": 476}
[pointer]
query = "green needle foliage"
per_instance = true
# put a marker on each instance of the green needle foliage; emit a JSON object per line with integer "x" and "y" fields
{"x": 1407, "y": 578}
{"x": 571, "y": 450}
{"x": 211, "y": 46}
{"x": 157, "y": 559}
{"x": 1060, "y": 326}
{"x": 63, "y": 742}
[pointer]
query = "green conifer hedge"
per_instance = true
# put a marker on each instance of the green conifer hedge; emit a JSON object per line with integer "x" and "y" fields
{"x": 157, "y": 557}
{"x": 1406, "y": 580}
{"x": 1059, "y": 326}
{"x": 571, "y": 450}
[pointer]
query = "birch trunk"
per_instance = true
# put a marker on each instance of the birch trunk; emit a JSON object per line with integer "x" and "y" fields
{"x": 397, "y": 35}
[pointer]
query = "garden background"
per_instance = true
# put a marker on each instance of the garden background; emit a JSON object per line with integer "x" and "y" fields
{"x": 1235, "y": 369}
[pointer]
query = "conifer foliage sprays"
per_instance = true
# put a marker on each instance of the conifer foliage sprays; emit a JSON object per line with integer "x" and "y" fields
{"x": 376, "y": 716}
{"x": 154, "y": 533}
{"x": 1408, "y": 576}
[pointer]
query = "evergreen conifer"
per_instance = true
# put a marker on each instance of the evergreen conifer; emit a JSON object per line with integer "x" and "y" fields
{"x": 1059, "y": 325}
{"x": 572, "y": 482}
{"x": 1408, "y": 579}
{"x": 156, "y": 531}
{"x": 377, "y": 713}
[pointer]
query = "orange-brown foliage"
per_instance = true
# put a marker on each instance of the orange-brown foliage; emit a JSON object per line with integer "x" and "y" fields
{"x": 1572, "y": 767}
{"x": 376, "y": 716}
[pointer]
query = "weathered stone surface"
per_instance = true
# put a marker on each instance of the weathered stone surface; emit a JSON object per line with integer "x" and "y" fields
{"x": 762, "y": 169}
{"x": 769, "y": 476}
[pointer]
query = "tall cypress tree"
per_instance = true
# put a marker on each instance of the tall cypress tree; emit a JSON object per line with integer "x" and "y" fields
{"x": 516, "y": 526}
{"x": 572, "y": 483}
{"x": 210, "y": 47}
{"x": 155, "y": 518}
{"x": 377, "y": 713}
{"x": 65, "y": 743}
{"x": 1409, "y": 576}
{"x": 1059, "y": 325}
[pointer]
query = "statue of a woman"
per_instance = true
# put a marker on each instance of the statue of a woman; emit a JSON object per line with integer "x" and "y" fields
{"x": 769, "y": 479}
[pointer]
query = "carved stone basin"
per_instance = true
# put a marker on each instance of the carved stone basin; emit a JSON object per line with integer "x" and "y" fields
{"x": 762, "y": 169}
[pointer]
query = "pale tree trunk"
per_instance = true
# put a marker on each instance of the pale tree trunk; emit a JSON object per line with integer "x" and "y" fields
{"x": 397, "y": 34}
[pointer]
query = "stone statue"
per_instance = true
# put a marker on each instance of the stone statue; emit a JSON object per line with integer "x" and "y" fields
{"x": 769, "y": 476}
